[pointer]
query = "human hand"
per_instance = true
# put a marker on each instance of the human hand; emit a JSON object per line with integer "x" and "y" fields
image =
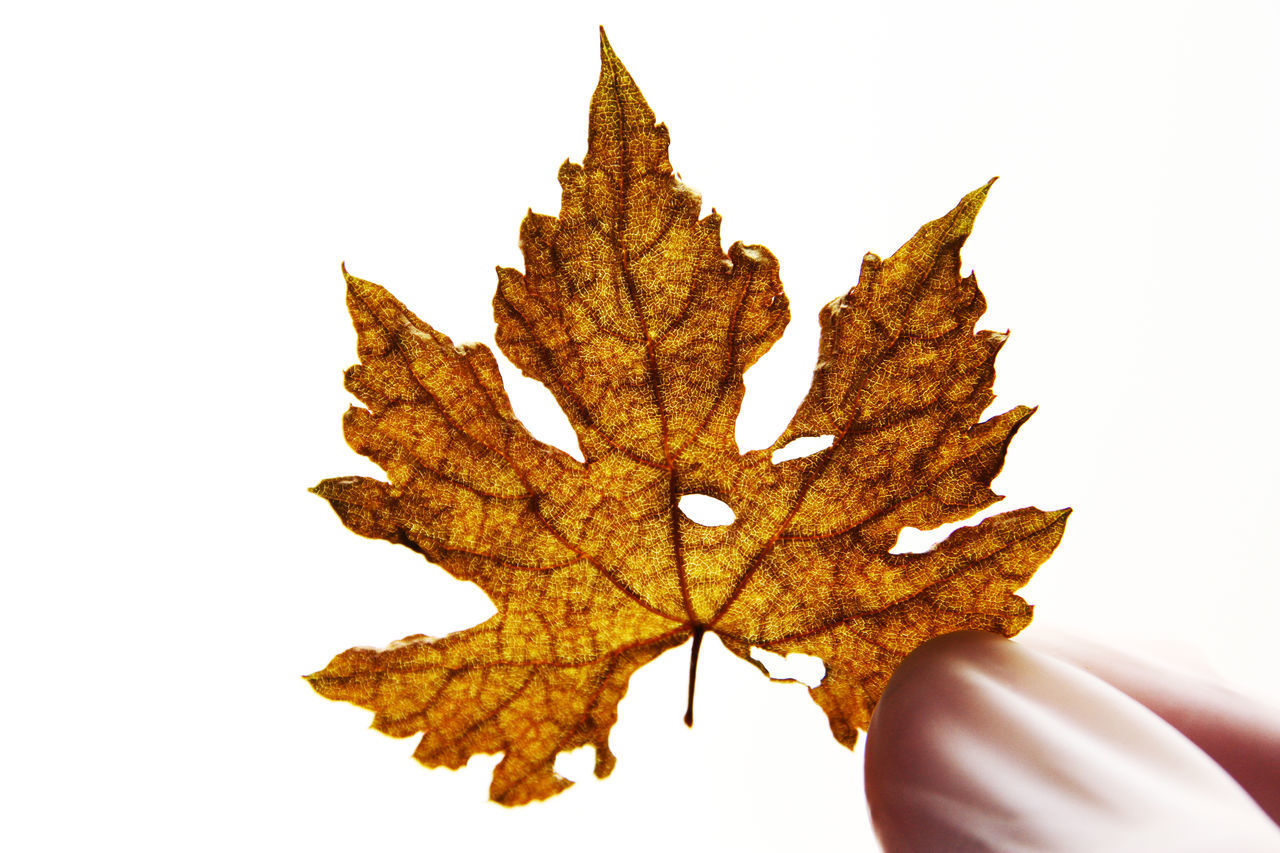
{"x": 980, "y": 743}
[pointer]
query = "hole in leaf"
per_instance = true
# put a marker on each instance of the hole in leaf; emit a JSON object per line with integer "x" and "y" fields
{"x": 806, "y": 669}
{"x": 912, "y": 540}
{"x": 577, "y": 764}
{"x": 706, "y": 510}
{"x": 803, "y": 446}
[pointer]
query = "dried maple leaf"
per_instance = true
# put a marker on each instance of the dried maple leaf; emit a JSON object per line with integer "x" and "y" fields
{"x": 641, "y": 326}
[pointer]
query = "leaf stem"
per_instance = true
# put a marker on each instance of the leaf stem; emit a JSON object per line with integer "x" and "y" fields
{"x": 698, "y": 631}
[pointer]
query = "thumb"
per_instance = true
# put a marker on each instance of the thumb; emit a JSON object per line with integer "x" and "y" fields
{"x": 979, "y": 743}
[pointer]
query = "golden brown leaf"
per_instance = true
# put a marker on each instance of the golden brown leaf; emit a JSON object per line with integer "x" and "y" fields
{"x": 641, "y": 326}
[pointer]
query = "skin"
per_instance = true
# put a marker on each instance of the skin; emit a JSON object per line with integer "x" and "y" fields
{"x": 980, "y": 743}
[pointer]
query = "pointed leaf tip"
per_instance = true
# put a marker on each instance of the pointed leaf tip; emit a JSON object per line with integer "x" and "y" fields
{"x": 606, "y": 49}
{"x": 348, "y": 277}
{"x": 968, "y": 207}
{"x": 609, "y": 60}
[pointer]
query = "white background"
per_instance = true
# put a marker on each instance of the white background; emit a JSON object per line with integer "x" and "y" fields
{"x": 181, "y": 183}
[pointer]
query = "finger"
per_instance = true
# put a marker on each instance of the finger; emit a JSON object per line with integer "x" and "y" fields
{"x": 1240, "y": 733}
{"x": 981, "y": 744}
